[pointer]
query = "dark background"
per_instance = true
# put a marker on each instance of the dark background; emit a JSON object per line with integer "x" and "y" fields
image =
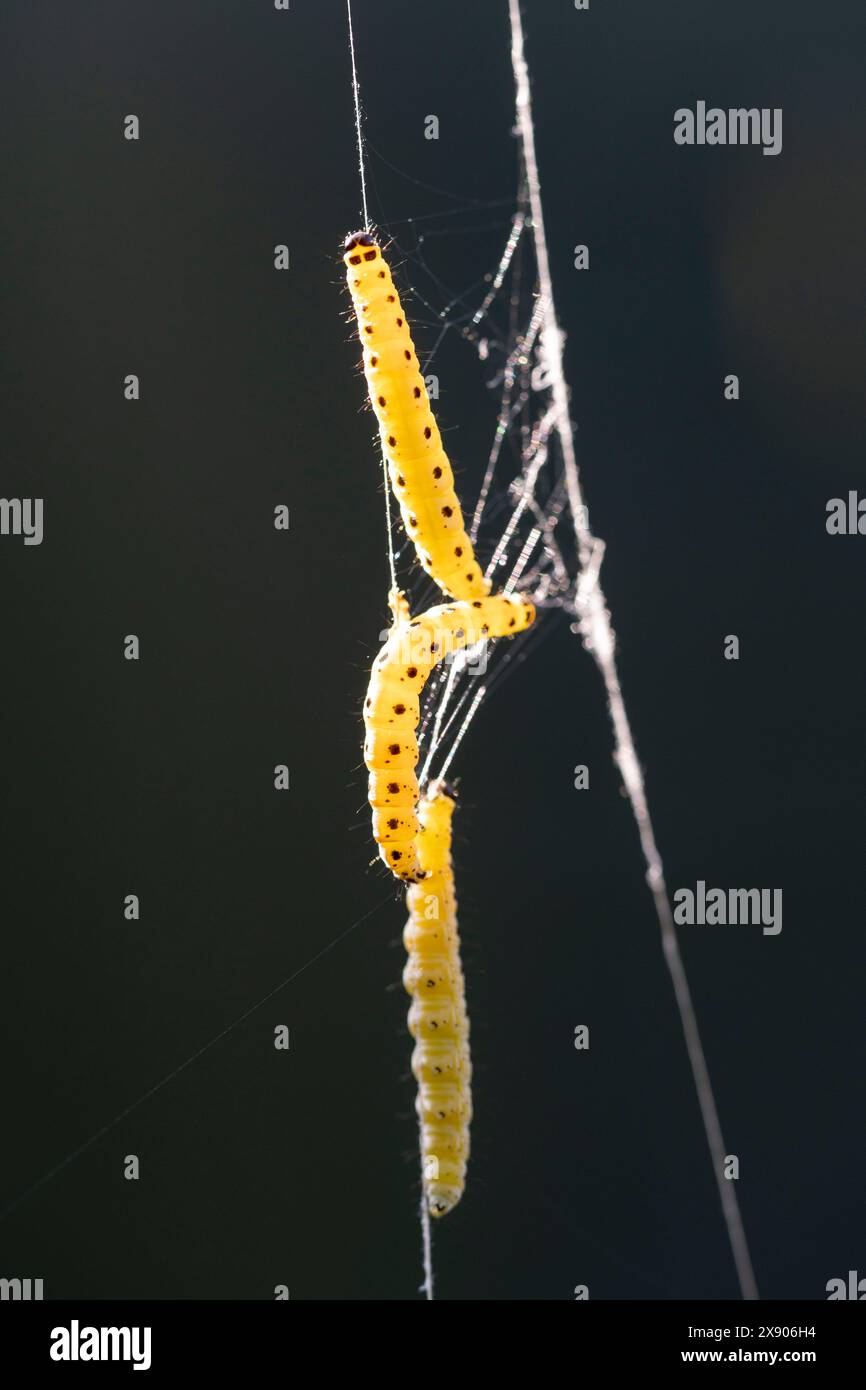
{"x": 156, "y": 777}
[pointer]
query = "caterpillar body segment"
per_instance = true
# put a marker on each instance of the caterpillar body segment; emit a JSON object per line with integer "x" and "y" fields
{"x": 414, "y": 647}
{"x": 420, "y": 474}
{"x": 438, "y": 1019}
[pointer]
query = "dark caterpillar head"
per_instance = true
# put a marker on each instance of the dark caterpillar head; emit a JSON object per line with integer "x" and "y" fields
{"x": 358, "y": 239}
{"x": 368, "y": 251}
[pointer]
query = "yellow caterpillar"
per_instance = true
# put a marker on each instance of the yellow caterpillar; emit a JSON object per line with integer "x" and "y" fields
{"x": 419, "y": 470}
{"x": 438, "y": 1021}
{"x": 391, "y": 709}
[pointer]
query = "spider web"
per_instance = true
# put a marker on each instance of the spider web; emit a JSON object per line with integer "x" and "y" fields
{"x": 517, "y": 515}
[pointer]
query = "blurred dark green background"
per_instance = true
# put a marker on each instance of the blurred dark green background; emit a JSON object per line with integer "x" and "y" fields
{"x": 155, "y": 778}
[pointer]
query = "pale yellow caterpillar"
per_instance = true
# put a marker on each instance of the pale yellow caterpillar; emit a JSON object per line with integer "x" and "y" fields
{"x": 391, "y": 709}
{"x": 437, "y": 1019}
{"x": 419, "y": 470}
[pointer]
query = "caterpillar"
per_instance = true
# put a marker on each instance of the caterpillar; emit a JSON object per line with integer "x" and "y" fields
{"x": 391, "y": 709}
{"x": 418, "y": 467}
{"x": 438, "y": 1021}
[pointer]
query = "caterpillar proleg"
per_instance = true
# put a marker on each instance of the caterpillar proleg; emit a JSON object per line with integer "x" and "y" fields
{"x": 391, "y": 708}
{"x": 438, "y": 1020}
{"x": 419, "y": 470}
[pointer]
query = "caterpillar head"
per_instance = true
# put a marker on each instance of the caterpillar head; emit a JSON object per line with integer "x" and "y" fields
{"x": 358, "y": 247}
{"x": 440, "y": 787}
{"x": 442, "y": 1198}
{"x": 358, "y": 239}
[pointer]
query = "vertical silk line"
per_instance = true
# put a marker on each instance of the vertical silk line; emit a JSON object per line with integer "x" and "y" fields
{"x": 357, "y": 96}
{"x": 479, "y": 696}
{"x": 598, "y": 636}
{"x": 360, "y": 140}
{"x": 427, "y": 1245}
